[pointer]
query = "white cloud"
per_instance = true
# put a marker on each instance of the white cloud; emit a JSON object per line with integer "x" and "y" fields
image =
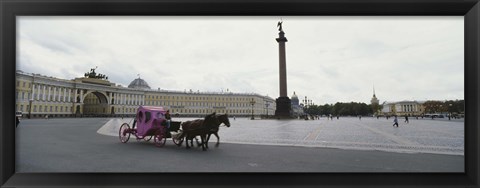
{"x": 329, "y": 59}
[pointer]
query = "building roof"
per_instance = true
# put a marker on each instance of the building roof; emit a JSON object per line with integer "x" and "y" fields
{"x": 294, "y": 96}
{"x": 139, "y": 84}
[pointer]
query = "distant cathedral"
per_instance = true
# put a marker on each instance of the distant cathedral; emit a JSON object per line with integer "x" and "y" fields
{"x": 297, "y": 110}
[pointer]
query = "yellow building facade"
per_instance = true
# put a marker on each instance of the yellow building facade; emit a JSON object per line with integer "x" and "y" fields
{"x": 40, "y": 96}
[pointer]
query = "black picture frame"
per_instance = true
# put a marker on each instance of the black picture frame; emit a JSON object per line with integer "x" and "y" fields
{"x": 9, "y": 9}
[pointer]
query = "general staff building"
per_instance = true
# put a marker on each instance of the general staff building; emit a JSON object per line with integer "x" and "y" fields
{"x": 93, "y": 95}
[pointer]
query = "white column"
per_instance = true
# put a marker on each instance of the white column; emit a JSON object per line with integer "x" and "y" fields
{"x": 33, "y": 91}
{"x": 54, "y": 93}
{"x": 60, "y": 95}
{"x": 81, "y": 96}
{"x": 44, "y": 92}
{"x": 75, "y": 95}
{"x": 64, "y": 94}
{"x": 38, "y": 92}
{"x": 49, "y": 91}
{"x": 110, "y": 99}
{"x": 69, "y": 95}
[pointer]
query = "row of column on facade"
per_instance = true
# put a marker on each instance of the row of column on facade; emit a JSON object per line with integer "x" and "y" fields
{"x": 45, "y": 93}
{"x": 409, "y": 108}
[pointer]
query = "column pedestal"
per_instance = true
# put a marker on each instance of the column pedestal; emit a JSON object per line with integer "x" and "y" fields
{"x": 283, "y": 108}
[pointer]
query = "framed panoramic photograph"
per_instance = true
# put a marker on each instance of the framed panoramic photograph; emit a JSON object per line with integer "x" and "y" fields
{"x": 240, "y": 93}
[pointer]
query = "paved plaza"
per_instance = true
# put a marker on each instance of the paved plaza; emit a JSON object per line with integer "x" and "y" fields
{"x": 343, "y": 145}
{"x": 438, "y": 136}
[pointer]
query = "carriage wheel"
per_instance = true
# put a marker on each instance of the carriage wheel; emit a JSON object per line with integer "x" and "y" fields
{"x": 123, "y": 134}
{"x": 177, "y": 141}
{"x": 147, "y": 138}
{"x": 159, "y": 138}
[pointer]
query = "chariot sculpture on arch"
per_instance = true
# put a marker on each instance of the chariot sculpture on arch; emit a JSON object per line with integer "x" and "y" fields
{"x": 93, "y": 74}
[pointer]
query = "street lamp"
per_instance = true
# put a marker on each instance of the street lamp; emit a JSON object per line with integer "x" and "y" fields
{"x": 252, "y": 103}
{"x": 305, "y": 110}
{"x": 266, "y": 106}
{"x": 450, "y": 111}
{"x": 30, "y": 109}
{"x": 123, "y": 114}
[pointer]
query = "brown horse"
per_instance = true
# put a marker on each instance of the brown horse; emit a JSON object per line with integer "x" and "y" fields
{"x": 199, "y": 127}
{"x": 222, "y": 119}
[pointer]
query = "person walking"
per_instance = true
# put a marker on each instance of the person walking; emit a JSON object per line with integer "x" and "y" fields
{"x": 395, "y": 121}
{"x": 17, "y": 121}
{"x": 406, "y": 119}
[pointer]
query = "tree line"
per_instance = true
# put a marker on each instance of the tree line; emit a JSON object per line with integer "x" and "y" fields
{"x": 362, "y": 109}
{"x": 450, "y": 106}
{"x": 341, "y": 109}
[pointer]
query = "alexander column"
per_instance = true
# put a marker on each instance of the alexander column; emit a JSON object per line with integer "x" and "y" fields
{"x": 283, "y": 102}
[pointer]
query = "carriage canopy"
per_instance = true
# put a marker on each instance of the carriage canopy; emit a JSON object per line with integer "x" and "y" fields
{"x": 149, "y": 117}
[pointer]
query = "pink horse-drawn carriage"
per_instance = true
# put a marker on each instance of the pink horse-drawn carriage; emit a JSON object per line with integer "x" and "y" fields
{"x": 151, "y": 122}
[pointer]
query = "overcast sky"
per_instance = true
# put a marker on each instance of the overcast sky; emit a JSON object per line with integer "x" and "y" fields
{"x": 329, "y": 59}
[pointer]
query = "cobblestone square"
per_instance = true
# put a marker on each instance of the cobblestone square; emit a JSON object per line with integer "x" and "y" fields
{"x": 344, "y": 145}
{"x": 439, "y": 136}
